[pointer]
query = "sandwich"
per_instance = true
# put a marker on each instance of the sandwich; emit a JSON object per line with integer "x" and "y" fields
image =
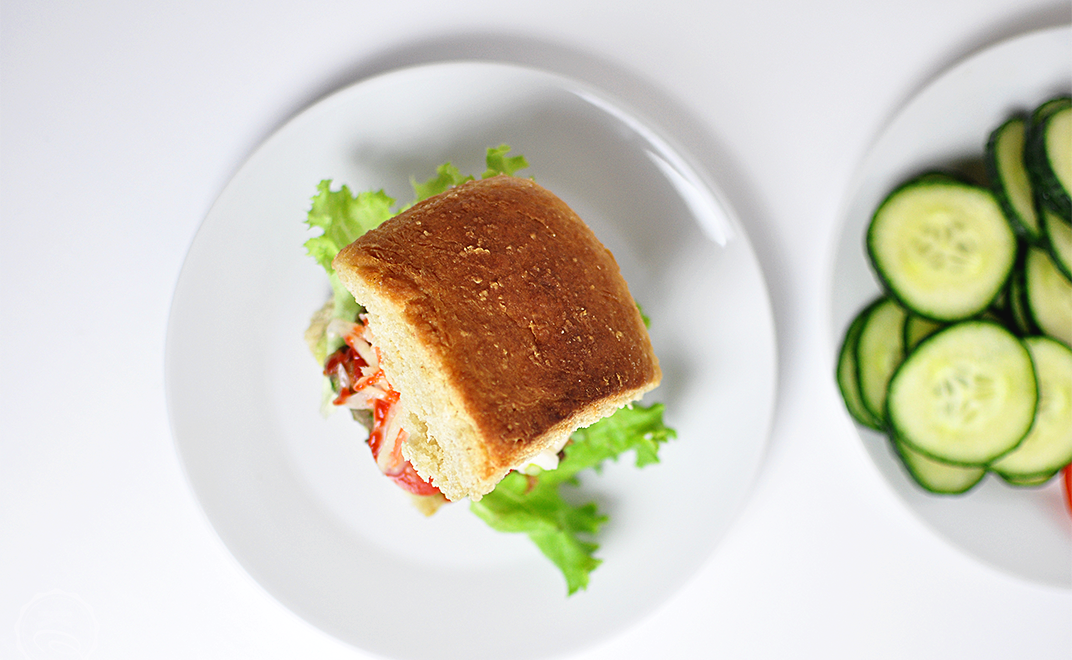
{"x": 483, "y": 335}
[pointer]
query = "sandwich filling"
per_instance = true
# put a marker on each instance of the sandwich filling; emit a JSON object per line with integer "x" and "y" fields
{"x": 363, "y": 385}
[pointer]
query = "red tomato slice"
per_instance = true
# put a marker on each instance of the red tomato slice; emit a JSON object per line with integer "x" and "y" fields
{"x": 409, "y": 480}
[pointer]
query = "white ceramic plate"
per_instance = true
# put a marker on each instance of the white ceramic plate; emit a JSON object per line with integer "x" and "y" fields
{"x": 1024, "y": 531}
{"x": 297, "y": 498}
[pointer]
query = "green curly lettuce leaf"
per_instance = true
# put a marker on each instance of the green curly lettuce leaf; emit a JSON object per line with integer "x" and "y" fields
{"x": 499, "y": 163}
{"x": 447, "y": 176}
{"x": 343, "y": 217}
{"x": 535, "y": 505}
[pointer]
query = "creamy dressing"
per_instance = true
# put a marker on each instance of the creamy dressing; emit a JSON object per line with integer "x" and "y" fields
{"x": 545, "y": 460}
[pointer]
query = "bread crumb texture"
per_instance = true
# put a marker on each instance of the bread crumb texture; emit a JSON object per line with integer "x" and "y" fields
{"x": 504, "y": 323}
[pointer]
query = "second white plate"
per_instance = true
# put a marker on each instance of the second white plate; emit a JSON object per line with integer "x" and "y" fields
{"x": 1024, "y": 531}
{"x": 297, "y": 498}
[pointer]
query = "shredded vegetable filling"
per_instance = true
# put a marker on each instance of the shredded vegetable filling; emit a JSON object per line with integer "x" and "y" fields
{"x": 362, "y": 385}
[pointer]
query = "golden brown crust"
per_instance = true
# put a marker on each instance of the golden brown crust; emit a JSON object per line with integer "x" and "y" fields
{"x": 516, "y": 301}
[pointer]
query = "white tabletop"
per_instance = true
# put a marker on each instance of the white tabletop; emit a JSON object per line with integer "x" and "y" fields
{"x": 121, "y": 123}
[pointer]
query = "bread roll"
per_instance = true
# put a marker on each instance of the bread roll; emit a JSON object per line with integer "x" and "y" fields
{"x": 504, "y": 324}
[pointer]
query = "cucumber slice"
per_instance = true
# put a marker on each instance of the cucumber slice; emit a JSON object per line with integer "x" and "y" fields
{"x": 1004, "y": 160}
{"x": 1017, "y": 303}
{"x": 1048, "y": 157}
{"x": 848, "y": 374}
{"x": 966, "y": 395}
{"x": 1048, "y": 445}
{"x": 1059, "y": 240}
{"x": 943, "y": 248}
{"x": 936, "y": 476}
{"x": 879, "y": 350}
{"x": 1024, "y": 482}
{"x": 917, "y": 328}
{"x": 1049, "y": 107}
{"x": 1049, "y": 295}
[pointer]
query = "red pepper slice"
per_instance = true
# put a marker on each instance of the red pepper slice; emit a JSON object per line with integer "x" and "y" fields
{"x": 1066, "y": 472}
